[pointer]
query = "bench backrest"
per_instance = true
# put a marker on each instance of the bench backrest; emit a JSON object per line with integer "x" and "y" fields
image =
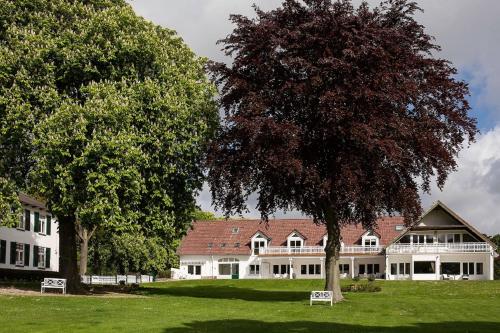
{"x": 54, "y": 282}
{"x": 321, "y": 294}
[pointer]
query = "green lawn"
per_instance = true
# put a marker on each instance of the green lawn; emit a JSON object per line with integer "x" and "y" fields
{"x": 263, "y": 306}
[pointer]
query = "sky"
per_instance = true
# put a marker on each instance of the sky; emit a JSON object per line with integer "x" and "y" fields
{"x": 469, "y": 34}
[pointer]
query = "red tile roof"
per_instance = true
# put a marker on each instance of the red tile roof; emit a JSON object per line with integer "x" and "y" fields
{"x": 217, "y": 237}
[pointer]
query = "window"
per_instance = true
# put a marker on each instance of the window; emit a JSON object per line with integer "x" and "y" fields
{"x": 453, "y": 238}
{"x": 429, "y": 239}
{"x": 19, "y": 254}
{"x": 344, "y": 268}
{"x": 3, "y": 251}
{"x": 404, "y": 268}
{"x": 424, "y": 267}
{"x": 21, "y": 223}
{"x": 361, "y": 269}
{"x": 452, "y": 268}
{"x": 229, "y": 266}
{"x": 257, "y": 244}
{"x": 254, "y": 269}
{"x": 281, "y": 269}
{"x": 468, "y": 238}
{"x": 468, "y": 268}
{"x": 43, "y": 225}
{"x": 41, "y": 257}
{"x": 372, "y": 242}
{"x": 194, "y": 269}
{"x": 303, "y": 269}
{"x": 418, "y": 239}
{"x": 479, "y": 268}
{"x": 441, "y": 238}
{"x": 405, "y": 239}
{"x": 314, "y": 269}
{"x": 296, "y": 243}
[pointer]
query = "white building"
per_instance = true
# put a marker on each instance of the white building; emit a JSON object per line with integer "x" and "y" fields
{"x": 34, "y": 243}
{"x": 441, "y": 246}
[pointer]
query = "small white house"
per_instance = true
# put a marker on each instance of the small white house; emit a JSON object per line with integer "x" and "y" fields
{"x": 441, "y": 246}
{"x": 34, "y": 243}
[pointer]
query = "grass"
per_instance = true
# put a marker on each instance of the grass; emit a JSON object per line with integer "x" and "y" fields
{"x": 265, "y": 306}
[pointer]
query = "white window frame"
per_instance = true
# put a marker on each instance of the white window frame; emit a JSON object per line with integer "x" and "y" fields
{"x": 43, "y": 224}
{"x": 296, "y": 239}
{"x": 254, "y": 269}
{"x": 373, "y": 240}
{"x": 258, "y": 239}
{"x": 19, "y": 254}
{"x": 41, "y": 257}
{"x": 21, "y": 225}
{"x": 194, "y": 266}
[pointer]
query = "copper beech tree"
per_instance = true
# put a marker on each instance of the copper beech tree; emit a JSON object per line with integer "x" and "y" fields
{"x": 342, "y": 113}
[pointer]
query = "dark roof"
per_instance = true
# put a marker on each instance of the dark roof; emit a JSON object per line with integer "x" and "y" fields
{"x": 30, "y": 201}
{"x": 217, "y": 233}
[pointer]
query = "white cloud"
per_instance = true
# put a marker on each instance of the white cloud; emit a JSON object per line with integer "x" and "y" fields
{"x": 473, "y": 191}
{"x": 468, "y": 32}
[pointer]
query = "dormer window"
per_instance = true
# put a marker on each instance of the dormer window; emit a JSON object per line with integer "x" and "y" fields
{"x": 295, "y": 240}
{"x": 258, "y": 242}
{"x": 370, "y": 239}
{"x": 235, "y": 230}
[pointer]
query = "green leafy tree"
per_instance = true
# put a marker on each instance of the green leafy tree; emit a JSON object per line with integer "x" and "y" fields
{"x": 103, "y": 114}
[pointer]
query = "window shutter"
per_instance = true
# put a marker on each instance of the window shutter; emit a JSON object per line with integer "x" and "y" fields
{"x": 37, "y": 222}
{"x": 35, "y": 256}
{"x": 49, "y": 222}
{"x": 26, "y": 254}
{"x": 47, "y": 257}
{"x": 3, "y": 251}
{"x": 27, "y": 220}
{"x": 13, "y": 246}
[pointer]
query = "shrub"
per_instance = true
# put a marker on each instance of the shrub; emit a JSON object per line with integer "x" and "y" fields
{"x": 371, "y": 278}
{"x": 362, "y": 287}
{"x": 355, "y": 279}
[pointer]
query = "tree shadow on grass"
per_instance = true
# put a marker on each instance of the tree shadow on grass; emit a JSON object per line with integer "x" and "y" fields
{"x": 243, "y": 326}
{"x": 227, "y": 292}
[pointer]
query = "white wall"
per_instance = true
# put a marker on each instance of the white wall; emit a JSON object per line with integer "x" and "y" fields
{"x": 439, "y": 259}
{"x": 33, "y": 239}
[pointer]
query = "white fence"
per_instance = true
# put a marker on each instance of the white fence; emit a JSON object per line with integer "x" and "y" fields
{"x": 115, "y": 279}
{"x": 282, "y": 250}
{"x": 438, "y": 248}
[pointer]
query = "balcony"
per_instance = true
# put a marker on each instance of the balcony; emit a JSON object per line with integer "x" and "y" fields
{"x": 316, "y": 250}
{"x": 438, "y": 248}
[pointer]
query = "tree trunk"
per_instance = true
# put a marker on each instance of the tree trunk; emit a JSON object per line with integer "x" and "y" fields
{"x": 84, "y": 253}
{"x": 67, "y": 253}
{"x": 84, "y": 234}
{"x": 332, "y": 250}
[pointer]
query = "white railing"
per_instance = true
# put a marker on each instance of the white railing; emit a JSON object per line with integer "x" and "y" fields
{"x": 115, "y": 279}
{"x": 438, "y": 248}
{"x": 282, "y": 250}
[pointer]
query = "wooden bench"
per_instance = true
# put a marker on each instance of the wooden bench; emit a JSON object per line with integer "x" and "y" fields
{"x": 53, "y": 283}
{"x": 321, "y": 296}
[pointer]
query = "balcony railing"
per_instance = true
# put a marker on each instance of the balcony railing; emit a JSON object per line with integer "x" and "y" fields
{"x": 438, "y": 248}
{"x": 283, "y": 250}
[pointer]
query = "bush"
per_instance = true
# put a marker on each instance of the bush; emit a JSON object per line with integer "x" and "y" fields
{"x": 371, "y": 278}
{"x": 355, "y": 279}
{"x": 362, "y": 287}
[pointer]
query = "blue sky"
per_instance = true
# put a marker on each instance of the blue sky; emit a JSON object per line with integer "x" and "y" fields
{"x": 468, "y": 32}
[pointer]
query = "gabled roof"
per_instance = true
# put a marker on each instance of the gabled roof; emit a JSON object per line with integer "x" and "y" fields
{"x": 217, "y": 232}
{"x": 464, "y": 224}
{"x": 263, "y": 234}
{"x": 295, "y": 231}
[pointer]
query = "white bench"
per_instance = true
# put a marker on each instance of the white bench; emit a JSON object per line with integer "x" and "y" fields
{"x": 53, "y": 283}
{"x": 321, "y": 296}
